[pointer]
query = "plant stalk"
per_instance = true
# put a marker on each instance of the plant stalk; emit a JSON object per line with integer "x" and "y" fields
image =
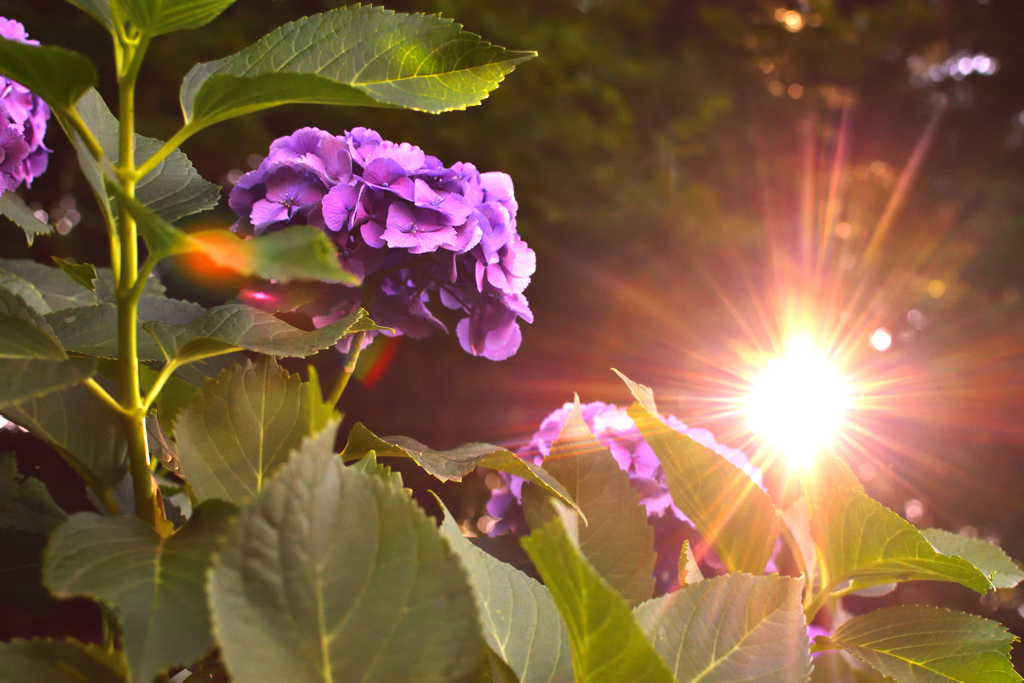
{"x": 134, "y": 419}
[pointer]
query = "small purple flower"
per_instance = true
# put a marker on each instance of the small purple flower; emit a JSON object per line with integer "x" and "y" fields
{"x": 287, "y": 192}
{"x": 418, "y": 230}
{"x": 340, "y": 206}
{"x": 13, "y": 151}
{"x": 388, "y": 175}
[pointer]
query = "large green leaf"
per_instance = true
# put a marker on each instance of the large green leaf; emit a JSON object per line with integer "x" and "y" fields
{"x": 78, "y": 424}
{"x": 922, "y": 644}
{"x": 14, "y": 207}
{"x": 735, "y": 627}
{"x": 156, "y": 17}
{"x": 988, "y": 557}
{"x": 51, "y": 283}
{"x": 617, "y": 540}
{"x": 30, "y": 297}
{"x": 234, "y": 326}
{"x": 332, "y": 574}
{"x": 354, "y": 55}
{"x": 864, "y": 542}
{"x": 607, "y": 644}
{"x": 520, "y": 621}
{"x": 92, "y": 330}
{"x": 451, "y": 465}
{"x": 725, "y": 505}
{"x": 25, "y": 504}
{"x": 57, "y": 75}
{"x": 156, "y": 585}
{"x": 56, "y": 661}
{"x": 28, "y": 380}
{"x": 23, "y": 332}
{"x": 173, "y": 190}
{"x": 241, "y": 427}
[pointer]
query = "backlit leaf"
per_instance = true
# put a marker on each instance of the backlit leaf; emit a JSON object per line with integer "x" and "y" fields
{"x": 356, "y": 55}
{"x": 988, "y": 557}
{"x": 617, "y": 540}
{"x": 332, "y": 574}
{"x": 725, "y": 505}
{"x": 56, "y": 661}
{"x": 922, "y": 644}
{"x": 57, "y": 75}
{"x": 156, "y": 17}
{"x": 155, "y": 584}
{"x": 519, "y": 618}
{"x": 864, "y": 542}
{"x": 729, "y": 628}
{"x": 607, "y": 644}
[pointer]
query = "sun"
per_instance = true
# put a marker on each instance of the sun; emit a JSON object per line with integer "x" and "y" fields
{"x": 799, "y": 403}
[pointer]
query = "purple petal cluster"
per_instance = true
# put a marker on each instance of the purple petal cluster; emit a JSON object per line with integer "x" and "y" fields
{"x": 412, "y": 229}
{"x": 23, "y": 117}
{"x": 616, "y": 431}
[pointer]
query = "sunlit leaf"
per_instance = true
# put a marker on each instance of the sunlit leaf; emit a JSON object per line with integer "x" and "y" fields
{"x": 25, "y": 504}
{"x": 607, "y": 644}
{"x": 155, "y": 584}
{"x": 988, "y": 557}
{"x": 864, "y": 542}
{"x": 689, "y": 571}
{"x": 617, "y": 540}
{"x": 332, "y": 574}
{"x": 234, "y": 326}
{"x": 239, "y": 428}
{"x": 922, "y": 644}
{"x": 519, "y": 618}
{"x": 355, "y": 56}
{"x": 156, "y": 17}
{"x": 13, "y": 207}
{"x": 725, "y": 505}
{"x": 451, "y": 465}
{"x": 729, "y": 628}
{"x": 56, "y": 661}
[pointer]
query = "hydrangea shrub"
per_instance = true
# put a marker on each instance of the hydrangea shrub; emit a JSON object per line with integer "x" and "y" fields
{"x": 231, "y": 541}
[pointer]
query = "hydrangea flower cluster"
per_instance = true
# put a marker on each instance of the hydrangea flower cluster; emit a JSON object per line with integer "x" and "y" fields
{"x": 407, "y": 225}
{"x": 23, "y": 117}
{"x": 616, "y": 431}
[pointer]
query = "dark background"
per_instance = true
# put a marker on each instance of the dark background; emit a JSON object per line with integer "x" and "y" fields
{"x": 669, "y": 156}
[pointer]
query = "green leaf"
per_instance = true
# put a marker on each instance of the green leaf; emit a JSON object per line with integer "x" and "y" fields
{"x": 175, "y": 396}
{"x": 155, "y": 584}
{"x": 23, "y": 332}
{"x": 725, "y": 505}
{"x": 355, "y": 56}
{"x": 173, "y": 190}
{"x": 332, "y": 574}
{"x": 864, "y": 542}
{"x": 73, "y": 420}
{"x": 617, "y": 539}
{"x": 689, "y": 570}
{"x": 156, "y": 17}
{"x": 80, "y": 273}
{"x": 34, "y": 380}
{"x": 922, "y": 644}
{"x": 607, "y": 644}
{"x": 838, "y": 667}
{"x": 234, "y": 326}
{"x": 239, "y": 428}
{"x": 29, "y": 297}
{"x": 25, "y": 504}
{"x": 519, "y": 617}
{"x": 92, "y": 331}
{"x": 57, "y": 75}
{"x": 55, "y": 661}
{"x": 988, "y": 557}
{"x": 99, "y": 10}
{"x": 371, "y": 467}
{"x": 51, "y": 283}
{"x": 728, "y": 628}
{"x": 451, "y": 465}
{"x": 14, "y": 207}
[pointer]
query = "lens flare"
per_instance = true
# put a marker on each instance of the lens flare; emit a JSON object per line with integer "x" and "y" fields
{"x": 799, "y": 403}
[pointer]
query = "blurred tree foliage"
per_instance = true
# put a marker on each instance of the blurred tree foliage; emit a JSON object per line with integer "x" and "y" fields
{"x": 659, "y": 152}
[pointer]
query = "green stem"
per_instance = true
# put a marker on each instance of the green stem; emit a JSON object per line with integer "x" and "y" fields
{"x": 101, "y": 393}
{"x": 146, "y": 500}
{"x": 184, "y": 133}
{"x": 350, "y": 367}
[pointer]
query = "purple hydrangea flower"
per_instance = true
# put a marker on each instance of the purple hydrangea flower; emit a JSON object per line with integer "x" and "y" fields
{"x": 417, "y": 231}
{"x": 617, "y": 432}
{"x": 23, "y": 117}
